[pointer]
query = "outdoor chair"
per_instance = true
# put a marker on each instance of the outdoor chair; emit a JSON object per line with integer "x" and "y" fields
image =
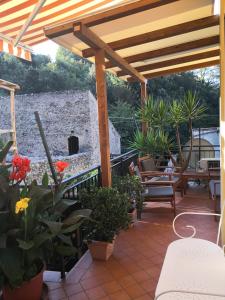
{"x": 147, "y": 163}
{"x": 193, "y": 268}
{"x": 214, "y": 188}
{"x": 157, "y": 188}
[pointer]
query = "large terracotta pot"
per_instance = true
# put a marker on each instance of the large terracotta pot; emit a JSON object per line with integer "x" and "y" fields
{"x": 101, "y": 250}
{"x": 29, "y": 290}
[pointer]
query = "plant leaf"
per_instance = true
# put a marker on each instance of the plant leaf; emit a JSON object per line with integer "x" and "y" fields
{"x": 25, "y": 245}
{"x": 5, "y": 150}
{"x": 45, "y": 180}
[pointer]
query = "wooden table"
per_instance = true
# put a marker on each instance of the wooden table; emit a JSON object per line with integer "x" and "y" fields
{"x": 193, "y": 174}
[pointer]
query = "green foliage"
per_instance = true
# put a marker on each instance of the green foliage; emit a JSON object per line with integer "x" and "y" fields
{"x": 109, "y": 213}
{"x": 29, "y": 236}
{"x": 162, "y": 121}
{"x": 69, "y": 71}
{"x": 131, "y": 186}
{"x": 155, "y": 142}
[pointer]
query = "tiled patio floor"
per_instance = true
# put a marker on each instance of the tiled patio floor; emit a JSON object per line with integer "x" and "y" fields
{"x": 133, "y": 270}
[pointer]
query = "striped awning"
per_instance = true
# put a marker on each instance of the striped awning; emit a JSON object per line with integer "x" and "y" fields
{"x": 21, "y": 51}
{"x": 14, "y": 13}
{"x": 153, "y": 36}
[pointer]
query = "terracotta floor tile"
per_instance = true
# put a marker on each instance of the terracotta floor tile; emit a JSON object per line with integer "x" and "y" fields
{"x": 141, "y": 276}
{"x": 120, "y": 295}
{"x": 111, "y": 287}
{"x": 80, "y": 296}
{"x": 134, "y": 269}
{"x": 54, "y": 285}
{"x": 145, "y": 297}
{"x": 72, "y": 289}
{"x": 95, "y": 293}
{"x": 126, "y": 281}
{"x": 149, "y": 285}
{"x": 57, "y": 294}
{"x": 135, "y": 291}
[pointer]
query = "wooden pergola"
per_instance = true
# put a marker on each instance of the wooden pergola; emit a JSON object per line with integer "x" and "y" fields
{"x": 134, "y": 39}
{"x": 142, "y": 40}
{"x": 11, "y": 87}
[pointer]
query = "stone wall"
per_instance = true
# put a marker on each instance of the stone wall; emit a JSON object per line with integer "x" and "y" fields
{"x": 77, "y": 164}
{"x": 60, "y": 112}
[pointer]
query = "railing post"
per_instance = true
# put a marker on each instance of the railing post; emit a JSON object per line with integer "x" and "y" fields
{"x": 99, "y": 177}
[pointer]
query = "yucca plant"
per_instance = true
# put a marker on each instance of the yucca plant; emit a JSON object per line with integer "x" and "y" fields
{"x": 161, "y": 119}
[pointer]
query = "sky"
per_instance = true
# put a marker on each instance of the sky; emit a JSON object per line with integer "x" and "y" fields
{"x": 46, "y": 48}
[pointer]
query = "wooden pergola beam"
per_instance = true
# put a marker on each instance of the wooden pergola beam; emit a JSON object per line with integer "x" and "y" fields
{"x": 174, "y": 61}
{"x": 90, "y": 38}
{"x": 159, "y": 34}
{"x": 143, "y": 100}
{"x": 169, "y": 50}
{"x": 180, "y": 69}
{"x": 110, "y": 15}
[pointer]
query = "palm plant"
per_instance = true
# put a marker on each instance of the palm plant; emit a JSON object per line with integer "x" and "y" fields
{"x": 161, "y": 118}
{"x": 193, "y": 110}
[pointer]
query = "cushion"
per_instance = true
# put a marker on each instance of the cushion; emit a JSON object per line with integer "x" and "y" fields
{"x": 148, "y": 164}
{"x": 158, "y": 191}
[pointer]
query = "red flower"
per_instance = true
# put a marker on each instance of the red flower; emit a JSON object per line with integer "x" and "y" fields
{"x": 61, "y": 166}
{"x": 21, "y": 166}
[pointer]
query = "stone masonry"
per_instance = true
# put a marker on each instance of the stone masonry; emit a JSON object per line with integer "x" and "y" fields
{"x": 60, "y": 112}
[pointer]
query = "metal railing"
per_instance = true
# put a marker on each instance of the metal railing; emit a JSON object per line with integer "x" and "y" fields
{"x": 86, "y": 180}
{"x": 92, "y": 177}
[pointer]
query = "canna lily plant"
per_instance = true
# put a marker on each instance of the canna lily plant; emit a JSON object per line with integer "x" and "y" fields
{"x": 31, "y": 223}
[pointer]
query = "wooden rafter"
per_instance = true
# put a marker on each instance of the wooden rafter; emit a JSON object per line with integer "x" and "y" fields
{"x": 159, "y": 34}
{"x": 174, "y": 61}
{"x": 110, "y": 15}
{"x": 90, "y": 38}
{"x": 7, "y": 85}
{"x": 170, "y": 50}
{"x": 181, "y": 69}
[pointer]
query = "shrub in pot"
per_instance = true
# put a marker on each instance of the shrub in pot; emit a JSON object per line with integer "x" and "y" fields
{"x": 131, "y": 186}
{"x": 30, "y": 227}
{"x": 108, "y": 217}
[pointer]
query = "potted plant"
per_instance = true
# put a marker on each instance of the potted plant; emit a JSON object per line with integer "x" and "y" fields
{"x": 131, "y": 186}
{"x": 108, "y": 217}
{"x": 30, "y": 227}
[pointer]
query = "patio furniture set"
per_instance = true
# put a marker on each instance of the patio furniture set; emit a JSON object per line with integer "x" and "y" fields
{"x": 160, "y": 183}
{"x": 193, "y": 268}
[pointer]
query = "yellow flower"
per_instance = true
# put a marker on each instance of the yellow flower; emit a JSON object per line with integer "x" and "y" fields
{"x": 22, "y": 204}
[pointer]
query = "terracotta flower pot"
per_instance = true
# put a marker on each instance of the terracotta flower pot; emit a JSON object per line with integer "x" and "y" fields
{"x": 101, "y": 250}
{"x": 28, "y": 290}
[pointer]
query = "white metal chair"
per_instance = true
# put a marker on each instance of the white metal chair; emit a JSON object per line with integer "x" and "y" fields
{"x": 193, "y": 269}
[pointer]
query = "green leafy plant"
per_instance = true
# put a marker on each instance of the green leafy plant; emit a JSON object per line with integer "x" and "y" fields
{"x": 131, "y": 186}
{"x": 109, "y": 215}
{"x": 31, "y": 224}
{"x": 162, "y": 120}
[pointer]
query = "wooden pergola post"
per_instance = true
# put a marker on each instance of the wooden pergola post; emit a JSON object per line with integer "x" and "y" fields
{"x": 13, "y": 120}
{"x": 103, "y": 117}
{"x": 222, "y": 110}
{"x": 143, "y": 100}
